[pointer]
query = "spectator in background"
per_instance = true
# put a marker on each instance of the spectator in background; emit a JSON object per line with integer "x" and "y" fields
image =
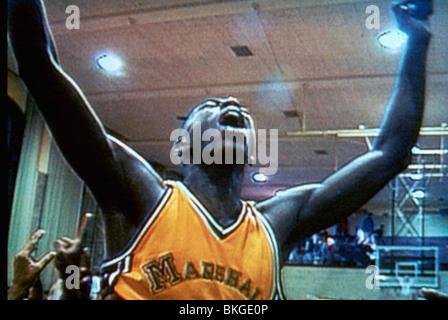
{"x": 36, "y": 292}
{"x": 26, "y": 279}
{"x": 330, "y": 251}
{"x": 342, "y": 229}
{"x": 376, "y": 237}
{"x": 294, "y": 255}
{"x": 71, "y": 253}
{"x": 361, "y": 248}
{"x": 367, "y": 224}
{"x": 360, "y": 237}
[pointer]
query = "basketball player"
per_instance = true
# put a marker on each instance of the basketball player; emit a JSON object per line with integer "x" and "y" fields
{"x": 197, "y": 239}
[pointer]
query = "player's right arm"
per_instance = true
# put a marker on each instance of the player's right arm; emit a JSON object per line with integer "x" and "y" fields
{"x": 117, "y": 178}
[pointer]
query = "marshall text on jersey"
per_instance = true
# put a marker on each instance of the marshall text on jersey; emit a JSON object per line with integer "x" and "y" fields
{"x": 182, "y": 253}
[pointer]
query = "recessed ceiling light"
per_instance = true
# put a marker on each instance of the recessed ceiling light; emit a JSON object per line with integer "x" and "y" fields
{"x": 258, "y": 177}
{"x": 391, "y": 39}
{"x": 109, "y": 62}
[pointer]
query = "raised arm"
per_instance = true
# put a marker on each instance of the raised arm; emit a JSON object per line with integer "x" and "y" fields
{"x": 107, "y": 167}
{"x": 305, "y": 210}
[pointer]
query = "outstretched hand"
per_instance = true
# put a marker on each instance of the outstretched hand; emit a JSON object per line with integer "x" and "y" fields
{"x": 70, "y": 251}
{"x": 26, "y": 268}
{"x": 412, "y": 16}
{"x": 431, "y": 294}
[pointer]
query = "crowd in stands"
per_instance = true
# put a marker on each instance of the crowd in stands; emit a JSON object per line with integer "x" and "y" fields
{"x": 340, "y": 248}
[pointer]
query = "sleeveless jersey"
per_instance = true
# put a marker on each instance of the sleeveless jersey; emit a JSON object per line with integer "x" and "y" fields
{"x": 181, "y": 252}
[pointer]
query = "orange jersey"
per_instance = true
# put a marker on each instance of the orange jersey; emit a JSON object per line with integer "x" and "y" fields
{"x": 182, "y": 253}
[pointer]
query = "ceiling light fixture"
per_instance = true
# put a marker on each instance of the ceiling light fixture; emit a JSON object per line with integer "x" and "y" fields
{"x": 109, "y": 62}
{"x": 391, "y": 39}
{"x": 258, "y": 177}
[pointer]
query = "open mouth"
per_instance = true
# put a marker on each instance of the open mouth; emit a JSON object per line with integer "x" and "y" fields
{"x": 232, "y": 118}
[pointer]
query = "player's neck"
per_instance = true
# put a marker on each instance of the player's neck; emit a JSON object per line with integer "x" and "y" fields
{"x": 218, "y": 188}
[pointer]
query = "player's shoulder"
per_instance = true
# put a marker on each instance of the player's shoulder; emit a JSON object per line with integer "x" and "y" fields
{"x": 283, "y": 209}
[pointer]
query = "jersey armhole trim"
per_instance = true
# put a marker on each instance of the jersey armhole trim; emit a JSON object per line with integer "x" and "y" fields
{"x": 140, "y": 233}
{"x": 277, "y": 293}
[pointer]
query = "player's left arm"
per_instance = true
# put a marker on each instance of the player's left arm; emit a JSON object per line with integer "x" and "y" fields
{"x": 305, "y": 210}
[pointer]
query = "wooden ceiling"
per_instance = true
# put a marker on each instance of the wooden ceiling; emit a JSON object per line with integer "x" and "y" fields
{"x": 313, "y": 56}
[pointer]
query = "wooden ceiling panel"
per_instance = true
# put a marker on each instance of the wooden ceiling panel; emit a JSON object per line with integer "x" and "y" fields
{"x": 315, "y": 57}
